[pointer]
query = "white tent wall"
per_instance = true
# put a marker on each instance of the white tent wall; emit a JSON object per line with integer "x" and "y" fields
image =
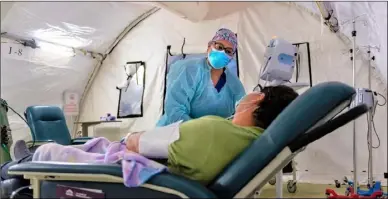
{"x": 327, "y": 159}
{"x": 40, "y": 76}
{"x": 147, "y": 42}
{"x": 79, "y": 24}
{"x": 371, "y": 27}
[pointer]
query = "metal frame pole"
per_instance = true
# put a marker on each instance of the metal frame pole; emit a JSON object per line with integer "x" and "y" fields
{"x": 370, "y": 159}
{"x": 279, "y": 184}
{"x": 355, "y": 169}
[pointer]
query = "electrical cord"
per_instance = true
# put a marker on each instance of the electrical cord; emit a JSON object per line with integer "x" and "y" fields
{"x": 385, "y": 100}
{"x": 17, "y": 114}
{"x": 374, "y": 129}
{"x": 373, "y": 122}
{"x": 33, "y": 140}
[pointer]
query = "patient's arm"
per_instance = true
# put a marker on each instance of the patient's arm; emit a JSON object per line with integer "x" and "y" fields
{"x": 132, "y": 142}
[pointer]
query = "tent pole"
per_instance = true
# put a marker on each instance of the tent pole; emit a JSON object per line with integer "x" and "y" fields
{"x": 132, "y": 25}
{"x": 96, "y": 69}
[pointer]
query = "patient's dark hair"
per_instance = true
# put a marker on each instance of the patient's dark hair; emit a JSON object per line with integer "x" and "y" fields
{"x": 276, "y": 99}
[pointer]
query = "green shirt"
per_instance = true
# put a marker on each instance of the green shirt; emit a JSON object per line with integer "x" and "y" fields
{"x": 206, "y": 146}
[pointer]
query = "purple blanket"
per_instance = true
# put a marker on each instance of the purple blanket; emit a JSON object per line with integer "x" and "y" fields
{"x": 136, "y": 168}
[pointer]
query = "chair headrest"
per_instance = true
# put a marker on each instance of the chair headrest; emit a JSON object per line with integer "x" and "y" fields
{"x": 44, "y": 113}
{"x": 302, "y": 114}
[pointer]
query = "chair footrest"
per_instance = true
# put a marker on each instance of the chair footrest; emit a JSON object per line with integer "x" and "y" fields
{"x": 167, "y": 180}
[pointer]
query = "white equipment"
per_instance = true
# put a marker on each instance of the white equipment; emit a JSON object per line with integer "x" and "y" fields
{"x": 365, "y": 96}
{"x": 279, "y": 60}
{"x": 278, "y": 69}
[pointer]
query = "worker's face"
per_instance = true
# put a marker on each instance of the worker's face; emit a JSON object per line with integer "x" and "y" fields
{"x": 222, "y": 45}
{"x": 248, "y": 105}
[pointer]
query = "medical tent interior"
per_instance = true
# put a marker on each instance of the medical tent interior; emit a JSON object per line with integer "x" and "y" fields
{"x": 51, "y": 49}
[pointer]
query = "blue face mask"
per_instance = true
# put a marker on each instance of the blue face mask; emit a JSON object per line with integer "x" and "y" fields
{"x": 218, "y": 59}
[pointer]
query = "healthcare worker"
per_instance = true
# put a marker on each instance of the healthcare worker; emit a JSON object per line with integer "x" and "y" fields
{"x": 203, "y": 86}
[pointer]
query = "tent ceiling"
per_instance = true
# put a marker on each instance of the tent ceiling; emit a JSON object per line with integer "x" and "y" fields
{"x": 93, "y": 26}
{"x": 5, "y": 7}
{"x": 373, "y": 33}
{"x": 198, "y": 11}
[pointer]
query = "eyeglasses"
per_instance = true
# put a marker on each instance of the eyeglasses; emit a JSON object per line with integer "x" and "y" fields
{"x": 221, "y": 47}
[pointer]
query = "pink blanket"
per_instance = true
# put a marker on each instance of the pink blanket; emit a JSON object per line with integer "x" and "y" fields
{"x": 137, "y": 169}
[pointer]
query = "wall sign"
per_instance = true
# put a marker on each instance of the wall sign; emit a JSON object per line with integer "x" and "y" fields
{"x": 71, "y": 103}
{"x": 15, "y": 51}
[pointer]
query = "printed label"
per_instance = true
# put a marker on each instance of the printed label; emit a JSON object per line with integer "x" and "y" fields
{"x": 75, "y": 192}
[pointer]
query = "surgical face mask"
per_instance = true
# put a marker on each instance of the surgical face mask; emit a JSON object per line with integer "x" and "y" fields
{"x": 218, "y": 59}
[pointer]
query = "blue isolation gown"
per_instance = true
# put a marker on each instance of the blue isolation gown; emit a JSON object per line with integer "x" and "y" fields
{"x": 191, "y": 93}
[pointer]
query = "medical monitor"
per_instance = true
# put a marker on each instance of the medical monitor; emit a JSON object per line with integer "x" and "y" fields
{"x": 279, "y": 61}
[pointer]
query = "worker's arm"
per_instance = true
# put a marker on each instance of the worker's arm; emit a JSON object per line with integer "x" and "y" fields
{"x": 181, "y": 86}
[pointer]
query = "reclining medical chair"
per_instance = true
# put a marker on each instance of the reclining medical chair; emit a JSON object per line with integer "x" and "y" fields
{"x": 310, "y": 117}
{"x": 48, "y": 124}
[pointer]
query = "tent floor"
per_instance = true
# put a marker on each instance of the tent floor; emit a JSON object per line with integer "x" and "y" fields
{"x": 304, "y": 190}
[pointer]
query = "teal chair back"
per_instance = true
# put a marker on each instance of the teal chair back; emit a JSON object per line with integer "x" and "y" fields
{"x": 48, "y": 123}
{"x": 301, "y": 115}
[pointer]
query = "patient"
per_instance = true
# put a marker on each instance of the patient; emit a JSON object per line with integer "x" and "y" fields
{"x": 200, "y": 149}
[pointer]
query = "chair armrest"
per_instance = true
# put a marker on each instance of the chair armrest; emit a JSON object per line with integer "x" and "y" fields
{"x": 66, "y": 167}
{"x": 81, "y": 140}
{"x": 38, "y": 142}
{"x": 106, "y": 173}
{"x": 328, "y": 127}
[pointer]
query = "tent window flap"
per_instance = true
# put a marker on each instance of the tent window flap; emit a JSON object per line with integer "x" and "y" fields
{"x": 131, "y": 95}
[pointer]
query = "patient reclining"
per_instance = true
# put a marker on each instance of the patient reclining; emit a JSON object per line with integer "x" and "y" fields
{"x": 203, "y": 147}
{"x": 198, "y": 149}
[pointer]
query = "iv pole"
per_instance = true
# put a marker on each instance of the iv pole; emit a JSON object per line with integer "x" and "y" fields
{"x": 370, "y": 162}
{"x": 370, "y": 115}
{"x": 353, "y": 58}
{"x": 355, "y": 182}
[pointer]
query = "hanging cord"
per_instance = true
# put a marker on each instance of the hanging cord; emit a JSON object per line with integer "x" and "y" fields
{"x": 385, "y": 100}
{"x": 184, "y": 42}
{"x": 33, "y": 139}
{"x": 374, "y": 129}
{"x": 373, "y": 122}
